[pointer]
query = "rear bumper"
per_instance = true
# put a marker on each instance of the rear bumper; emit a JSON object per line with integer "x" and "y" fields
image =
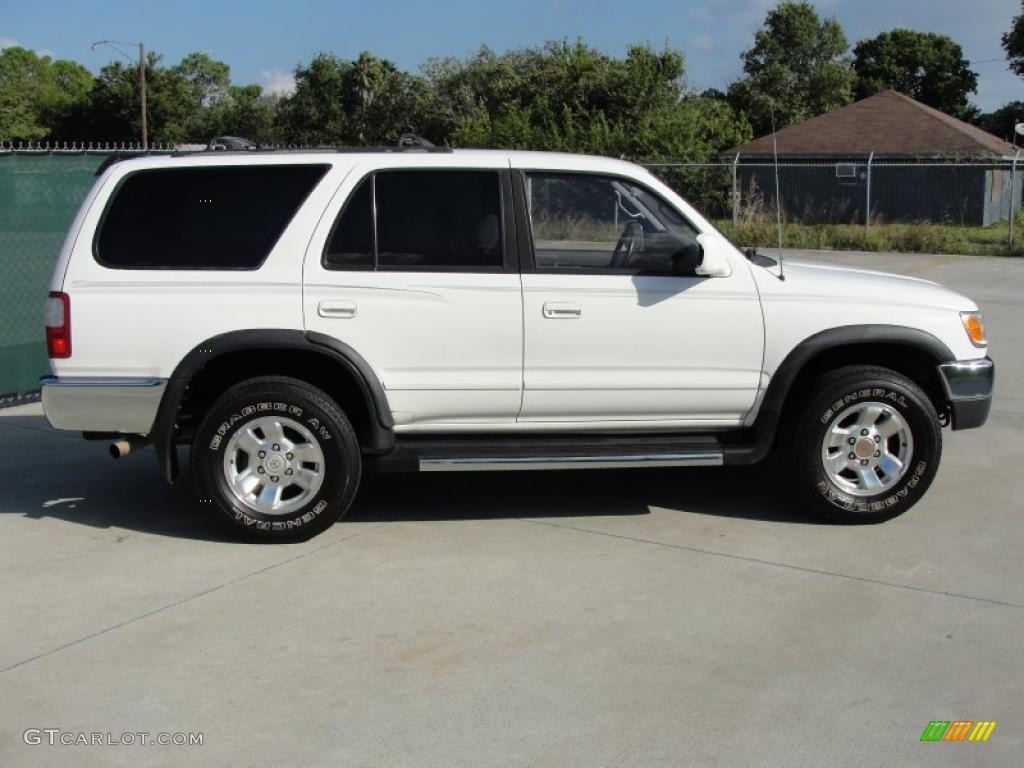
{"x": 127, "y": 406}
{"x": 968, "y": 386}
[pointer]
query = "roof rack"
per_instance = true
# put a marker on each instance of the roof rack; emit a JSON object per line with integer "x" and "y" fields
{"x": 220, "y": 143}
{"x": 407, "y": 142}
{"x": 412, "y": 141}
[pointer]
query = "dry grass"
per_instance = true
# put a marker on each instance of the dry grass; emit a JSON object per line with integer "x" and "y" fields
{"x": 910, "y": 238}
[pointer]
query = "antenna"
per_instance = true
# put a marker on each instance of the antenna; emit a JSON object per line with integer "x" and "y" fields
{"x": 778, "y": 198}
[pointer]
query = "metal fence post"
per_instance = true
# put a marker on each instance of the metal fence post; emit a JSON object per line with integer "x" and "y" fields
{"x": 735, "y": 192}
{"x": 867, "y": 200}
{"x": 1013, "y": 194}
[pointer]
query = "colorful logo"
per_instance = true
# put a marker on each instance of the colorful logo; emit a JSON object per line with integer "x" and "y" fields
{"x": 958, "y": 730}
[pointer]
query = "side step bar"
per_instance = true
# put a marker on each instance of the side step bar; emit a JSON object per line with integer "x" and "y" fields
{"x": 503, "y": 453}
{"x": 507, "y": 463}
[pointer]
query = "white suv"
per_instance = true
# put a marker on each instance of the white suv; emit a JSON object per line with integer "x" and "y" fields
{"x": 298, "y": 316}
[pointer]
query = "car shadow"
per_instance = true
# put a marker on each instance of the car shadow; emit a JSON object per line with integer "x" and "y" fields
{"x": 66, "y": 478}
{"x": 731, "y": 492}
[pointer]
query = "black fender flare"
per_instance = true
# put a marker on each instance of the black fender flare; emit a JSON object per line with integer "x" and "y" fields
{"x": 165, "y": 428}
{"x": 770, "y": 410}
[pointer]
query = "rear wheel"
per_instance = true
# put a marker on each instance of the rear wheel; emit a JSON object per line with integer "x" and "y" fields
{"x": 277, "y": 459}
{"x": 867, "y": 445}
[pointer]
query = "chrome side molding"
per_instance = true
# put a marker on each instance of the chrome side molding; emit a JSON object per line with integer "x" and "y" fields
{"x": 507, "y": 463}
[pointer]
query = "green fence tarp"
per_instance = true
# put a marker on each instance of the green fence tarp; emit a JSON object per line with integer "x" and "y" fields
{"x": 39, "y": 196}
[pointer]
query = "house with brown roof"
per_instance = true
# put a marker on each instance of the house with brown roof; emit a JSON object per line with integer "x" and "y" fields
{"x": 888, "y": 156}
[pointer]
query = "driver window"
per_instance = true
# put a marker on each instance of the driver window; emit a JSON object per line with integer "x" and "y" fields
{"x": 584, "y": 222}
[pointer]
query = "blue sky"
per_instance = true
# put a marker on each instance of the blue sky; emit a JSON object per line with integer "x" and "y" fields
{"x": 263, "y": 40}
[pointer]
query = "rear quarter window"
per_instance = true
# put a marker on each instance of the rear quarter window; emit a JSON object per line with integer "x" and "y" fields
{"x": 226, "y": 217}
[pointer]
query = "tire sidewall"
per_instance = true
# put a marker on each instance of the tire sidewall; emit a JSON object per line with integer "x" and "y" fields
{"x": 924, "y": 459}
{"x": 227, "y": 418}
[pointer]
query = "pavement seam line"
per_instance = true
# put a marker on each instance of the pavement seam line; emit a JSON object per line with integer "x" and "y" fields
{"x": 45, "y": 430}
{"x": 776, "y": 564}
{"x": 189, "y": 598}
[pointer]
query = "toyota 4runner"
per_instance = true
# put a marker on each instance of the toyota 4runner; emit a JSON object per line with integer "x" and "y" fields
{"x": 296, "y": 317}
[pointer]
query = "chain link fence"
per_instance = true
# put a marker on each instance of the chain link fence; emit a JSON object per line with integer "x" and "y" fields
{"x": 867, "y": 203}
{"x": 40, "y": 192}
{"x": 862, "y": 203}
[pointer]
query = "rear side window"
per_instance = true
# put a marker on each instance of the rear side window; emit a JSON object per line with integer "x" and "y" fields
{"x": 226, "y": 217}
{"x": 420, "y": 220}
{"x": 351, "y": 243}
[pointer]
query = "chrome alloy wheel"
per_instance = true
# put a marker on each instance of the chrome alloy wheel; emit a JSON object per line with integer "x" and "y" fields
{"x": 867, "y": 449}
{"x": 274, "y": 465}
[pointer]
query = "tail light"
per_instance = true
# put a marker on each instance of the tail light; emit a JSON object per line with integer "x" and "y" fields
{"x": 58, "y": 324}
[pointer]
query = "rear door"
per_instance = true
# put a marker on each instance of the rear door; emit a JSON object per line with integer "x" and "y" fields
{"x": 414, "y": 268}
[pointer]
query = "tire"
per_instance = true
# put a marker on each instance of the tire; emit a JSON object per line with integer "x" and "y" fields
{"x": 896, "y": 440}
{"x": 276, "y": 459}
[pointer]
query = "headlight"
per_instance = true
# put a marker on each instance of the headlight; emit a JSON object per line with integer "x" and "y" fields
{"x": 974, "y": 327}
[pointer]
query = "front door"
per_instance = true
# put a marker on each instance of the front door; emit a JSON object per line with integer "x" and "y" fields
{"x": 620, "y": 330}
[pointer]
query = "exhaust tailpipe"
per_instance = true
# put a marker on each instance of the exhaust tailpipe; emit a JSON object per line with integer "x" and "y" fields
{"x": 121, "y": 448}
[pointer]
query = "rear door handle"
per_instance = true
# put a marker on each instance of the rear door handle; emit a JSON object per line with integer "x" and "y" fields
{"x": 560, "y": 310}
{"x": 337, "y": 309}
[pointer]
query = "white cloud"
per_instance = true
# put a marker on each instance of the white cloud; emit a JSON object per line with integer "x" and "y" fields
{"x": 277, "y": 82}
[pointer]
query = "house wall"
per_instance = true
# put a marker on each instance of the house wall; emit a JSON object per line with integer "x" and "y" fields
{"x": 813, "y": 193}
{"x": 998, "y": 195}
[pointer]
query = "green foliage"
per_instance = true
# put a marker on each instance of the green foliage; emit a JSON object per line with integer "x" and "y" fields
{"x": 188, "y": 103}
{"x": 366, "y": 101}
{"x": 925, "y": 66}
{"x": 797, "y": 65}
{"x": 1001, "y": 121}
{"x": 1013, "y": 43}
{"x": 37, "y": 92}
{"x": 570, "y": 97}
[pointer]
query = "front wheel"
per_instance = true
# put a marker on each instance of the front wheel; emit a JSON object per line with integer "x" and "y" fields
{"x": 276, "y": 459}
{"x": 867, "y": 445}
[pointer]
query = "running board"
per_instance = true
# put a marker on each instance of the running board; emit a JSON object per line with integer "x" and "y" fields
{"x": 505, "y": 464}
{"x": 504, "y": 453}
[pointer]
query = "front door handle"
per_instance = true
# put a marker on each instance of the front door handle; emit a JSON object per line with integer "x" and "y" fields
{"x": 336, "y": 309}
{"x": 560, "y": 310}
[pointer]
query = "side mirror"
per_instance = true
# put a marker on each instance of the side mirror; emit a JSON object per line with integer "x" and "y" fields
{"x": 714, "y": 263}
{"x": 687, "y": 259}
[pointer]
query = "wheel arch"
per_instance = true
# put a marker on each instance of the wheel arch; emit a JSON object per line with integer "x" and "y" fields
{"x": 226, "y": 359}
{"x": 911, "y": 351}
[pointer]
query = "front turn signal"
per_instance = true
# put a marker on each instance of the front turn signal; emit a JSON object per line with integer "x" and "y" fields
{"x": 974, "y": 327}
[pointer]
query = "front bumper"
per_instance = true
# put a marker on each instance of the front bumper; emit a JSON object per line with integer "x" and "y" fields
{"x": 127, "y": 406}
{"x": 968, "y": 386}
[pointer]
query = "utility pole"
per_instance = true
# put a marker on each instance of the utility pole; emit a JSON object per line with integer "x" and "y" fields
{"x": 142, "y": 93}
{"x": 142, "y": 80}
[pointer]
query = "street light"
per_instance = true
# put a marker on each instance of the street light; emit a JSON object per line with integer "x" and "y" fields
{"x": 142, "y": 78}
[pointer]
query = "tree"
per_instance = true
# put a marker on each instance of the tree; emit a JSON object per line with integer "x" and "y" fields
{"x": 191, "y": 102}
{"x": 1001, "y": 121}
{"x": 366, "y": 101}
{"x": 797, "y": 66}
{"x": 928, "y": 67}
{"x": 1013, "y": 42}
{"x": 244, "y": 111}
{"x": 570, "y": 97}
{"x": 37, "y": 92}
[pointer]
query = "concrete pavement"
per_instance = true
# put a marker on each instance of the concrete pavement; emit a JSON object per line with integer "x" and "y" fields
{"x": 631, "y": 618}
